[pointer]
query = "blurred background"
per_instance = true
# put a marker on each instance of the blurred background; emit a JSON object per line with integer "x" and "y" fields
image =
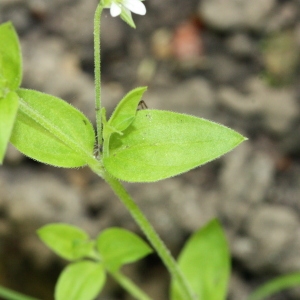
{"x": 235, "y": 62}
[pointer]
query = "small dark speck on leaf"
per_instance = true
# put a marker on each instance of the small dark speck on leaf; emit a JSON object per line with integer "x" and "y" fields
{"x": 142, "y": 105}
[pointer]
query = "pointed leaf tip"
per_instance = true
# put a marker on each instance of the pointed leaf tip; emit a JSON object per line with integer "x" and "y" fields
{"x": 205, "y": 261}
{"x": 161, "y": 144}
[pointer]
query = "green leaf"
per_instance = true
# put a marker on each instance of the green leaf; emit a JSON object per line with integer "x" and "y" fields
{"x": 82, "y": 280}
{"x": 9, "y": 294}
{"x": 126, "y": 110}
{"x": 52, "y": 131}
{"x": 276, "y": 285}
{"x": 10, "y": 58}
{"x": 8, "y": 112}
{"x": 122, "y": 117}
{"x": 160, "y": 144}
{"x": 205, "y": 261}
{"x": 119, "y": 246}
{"x": 67, "y": 241}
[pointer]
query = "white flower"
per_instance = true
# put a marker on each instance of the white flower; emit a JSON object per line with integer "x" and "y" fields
{"x": 126, "y": 6}
{"x": 123, "y": 8}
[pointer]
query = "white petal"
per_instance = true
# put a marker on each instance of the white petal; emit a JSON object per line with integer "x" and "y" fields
{"x": 115, "y": 9}
{"x": 135, "y": 6}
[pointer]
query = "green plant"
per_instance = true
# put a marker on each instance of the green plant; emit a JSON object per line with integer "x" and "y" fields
{"x": 133, "y": 145}
{"x": 276, "y": 285}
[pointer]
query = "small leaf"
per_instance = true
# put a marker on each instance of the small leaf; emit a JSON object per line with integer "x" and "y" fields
{"x": 122, "y": 117}
{"x": 119, "y": 246}
{"x": 38, "y": 139}
{"x": 205, "y": 261}
{"x": 67, "y": 241}
{"x": 82, "y": 280}
{"x": 161, "y": 144}
{"x": 10, "y": 58}
{"x": 125, "y": 112}
{"x": 8, "y": 112}
{"x": 276, "y": 285}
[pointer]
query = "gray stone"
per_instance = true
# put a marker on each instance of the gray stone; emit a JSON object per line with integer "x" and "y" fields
{"x": 226, "y": 69}
{"x": 235, "y": 14}
{"x": 272, "y": 229}
{"x": 50, "y": 67}
{"x": 195, "y": 96}
{"x": 45, "y": 200}
{"x": 277, "y": 107}
{"x": 290, "y": 142}
{"x": 10, "y": 2}
{"x": 73, "y": 22}
{"x": 242, "y": 104}
{"x": 241, "y": 45}
{"x": 246, "y": 176}
{"x": 283, "y": 17}
{"x": 18, "y": 13}
{"x": 290, "y": 258}
{"x": 29, "y": 200}
{"x": 238, "y": 289}
{"x": 168, "y": 12}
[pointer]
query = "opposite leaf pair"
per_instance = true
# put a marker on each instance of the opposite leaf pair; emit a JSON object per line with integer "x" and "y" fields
{"x": 138, "y": 146}
{"x": 204, "y": 260}
{"x": 84, "y": 278}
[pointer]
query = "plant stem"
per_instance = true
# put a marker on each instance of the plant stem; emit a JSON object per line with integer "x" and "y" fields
{"x": 152, "y": 236}
{"x": 97, "y": 71}
{"x": 12, "y": 295}
{"x": 129, "y": 286}
{"x": 120, "y": 191}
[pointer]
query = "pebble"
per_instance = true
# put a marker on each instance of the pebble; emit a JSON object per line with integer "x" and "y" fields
{"x": 273, "y": 230}
{"x": 277, "y": 107}
{"x": 229, "y": 15}
{"x": 244, "y": 182}
{"x": 241, "y": 45}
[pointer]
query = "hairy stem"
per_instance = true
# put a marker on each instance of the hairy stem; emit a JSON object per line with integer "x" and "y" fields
{"x": 97, "y": 71}
{"x": 129, "y": 286}
{"x": 152, "y": 236}
{"x": 120, "y": 191}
